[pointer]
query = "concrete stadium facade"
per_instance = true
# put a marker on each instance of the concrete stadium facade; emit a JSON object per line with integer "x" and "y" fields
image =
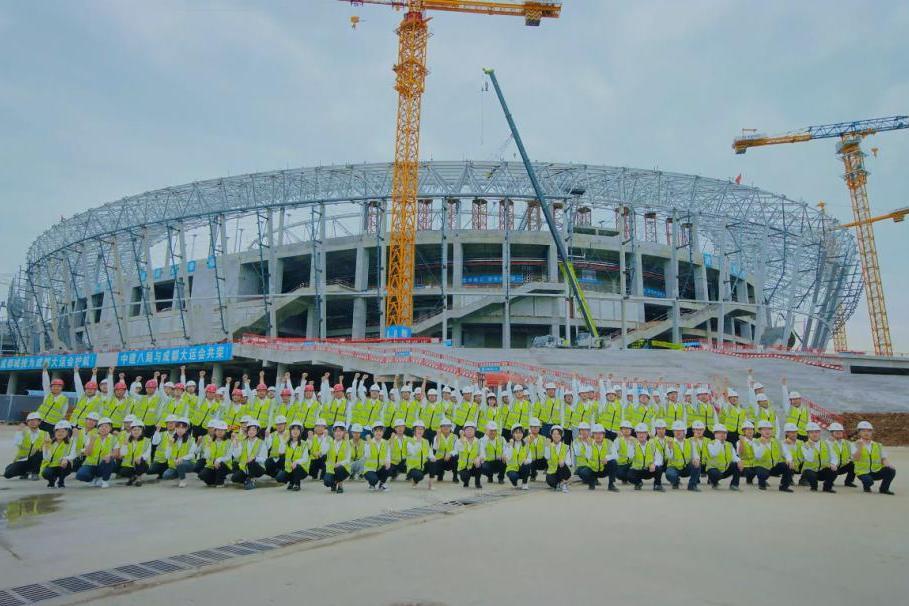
{"x": 301, "y": 253}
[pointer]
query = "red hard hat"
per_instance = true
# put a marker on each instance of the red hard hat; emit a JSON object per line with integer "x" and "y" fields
{"x": 120, "y": 385}
{"x": 151, "y": 383}
{"x": 339, "y": 387}
{"x": 91, "y": 385}
{"x": 211, "y": 388}
{"x": 309, "y": 388}
{"x": 179, "y": 386}
{"x": 261, "y": 386}
{"x": 286, "y": 392}
{"x": 237, "y": 392}
{"x": 57, "y": 382}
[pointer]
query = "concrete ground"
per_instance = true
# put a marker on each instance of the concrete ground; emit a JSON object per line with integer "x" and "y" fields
{"x": 532, "y": 548}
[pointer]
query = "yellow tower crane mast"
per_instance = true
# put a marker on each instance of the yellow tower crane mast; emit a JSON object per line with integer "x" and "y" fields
{"x": 856, "y": 177}
{"x": 410, "y": 82}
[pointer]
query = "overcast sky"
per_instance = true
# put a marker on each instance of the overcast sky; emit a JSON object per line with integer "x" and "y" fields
{"x": 100, "y": 99}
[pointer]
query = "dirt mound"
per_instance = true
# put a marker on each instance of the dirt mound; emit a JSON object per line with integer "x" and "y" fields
{"x": 890, "y": 428}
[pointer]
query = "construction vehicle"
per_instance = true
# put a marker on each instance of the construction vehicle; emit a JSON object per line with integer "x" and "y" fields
{"x": 564, "y": 258}
{"x": 411, "y": 71}
{"x": 856, "y": 177}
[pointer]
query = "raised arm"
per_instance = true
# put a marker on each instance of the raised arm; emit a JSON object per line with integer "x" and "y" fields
{"x": 77, "y": 382}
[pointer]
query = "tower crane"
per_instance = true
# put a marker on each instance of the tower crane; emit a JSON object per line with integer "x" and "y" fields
{"x": 410, "y": 82}
{"x": 856, "y": 177}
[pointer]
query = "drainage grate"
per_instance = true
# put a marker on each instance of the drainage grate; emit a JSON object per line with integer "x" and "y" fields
{"x": 74, "y": 584}
{"x": 35, "y": 592}
{"x": 137, "y": 572}
{"x": 103, "y": 577}
{"x": 8, "y": 599}
{"x": 161, "y": 566}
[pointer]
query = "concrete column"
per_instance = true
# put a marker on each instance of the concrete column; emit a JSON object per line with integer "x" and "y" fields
{"x": 280, "y": 369}
{"x": 637, "y": 286}
{"x": 217, "y": 374}
{"x": 312, "y": 329}
{"x": 456, "y": 333}
{"x": 12, "y": 384}
{"x": 552, "y": 268}
{"x": 506, "y": 289}
{"x": 671, "y": 282}
{"x": 623, "y": 291}
{"x": 361, "y": 276}
{"x": 457, "y": 271}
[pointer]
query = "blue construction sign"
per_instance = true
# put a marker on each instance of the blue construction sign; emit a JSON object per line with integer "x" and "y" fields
{"x": 57, "y": 361}
{"x": 190, "y": 354}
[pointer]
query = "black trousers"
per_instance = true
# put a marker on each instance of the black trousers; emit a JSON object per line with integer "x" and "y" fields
{"x": 335, "y": 477}
{"x": 294, "y": 476}
{"x": 214, "y": 477}
{"x": 623, "y": 472}
{"x": 274, "y": 466}
{"x": 562, "y": 473}
{"x": 732, "y": 437}
{"x": 198, "y": 431}
{"x": 317, "y": 468}
{"x": 200, "y": 465}
{"x": 689, "y": 471}
{"x": 637, "y": 476}
{"x": 417, "y": 475}
{"x": 441, "y": 466}
{"x": 149, "y": 432}
{"x": 522, "y": 474}
{"x": 780, "y": 470}
{"x": 885, "y": 475}
{"x": 136, "y": 471}
{"x": 714, "y": 475}
{"x": 470, "y": 472}
{"x": 611, "y": 435}
{"x": 56, "y": 474}
{"x": 158, "y": 469}
{"x": 397, "y": 469}
{"x": 536, "y": 466}
{"x": 376, "y": 477}
{"x": 828, "y": 476}
{"x": 253, "y": 470}
{"x": 590, "y": 477}
{"x": 429, "y": 434}
{"x": 23, "y": 468}
{"x": 494, "y": 468}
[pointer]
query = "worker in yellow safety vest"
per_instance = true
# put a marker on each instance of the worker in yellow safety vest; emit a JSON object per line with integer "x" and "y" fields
{"x": 841, "y": 452}
{"x": 337, "y": 463}
{"x": 419, "y": 456}
{"x": 871, "y": 462}
{"x": 29, "y": 445}
{"x": 722, "y": 460}
{"x": 470, "y": 456}
{"x": 558, "y": 460}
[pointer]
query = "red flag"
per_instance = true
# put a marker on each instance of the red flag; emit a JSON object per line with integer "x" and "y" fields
{"x": 738, "y": 180}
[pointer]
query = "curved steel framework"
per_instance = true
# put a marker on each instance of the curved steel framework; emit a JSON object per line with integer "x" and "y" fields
{"x": 808, "y": 269}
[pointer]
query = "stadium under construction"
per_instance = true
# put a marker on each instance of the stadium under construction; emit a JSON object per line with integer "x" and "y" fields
{"x": 301, "y": 253}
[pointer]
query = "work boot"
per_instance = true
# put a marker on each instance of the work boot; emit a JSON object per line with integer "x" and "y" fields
{"x": 613, "y": 488}
{"x": 829, "y": 490}
{"x": 658, "y": 488}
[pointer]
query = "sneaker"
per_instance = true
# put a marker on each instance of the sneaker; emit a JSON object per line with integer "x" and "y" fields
{"x": 637, "y": 486}
{"x": 564, "y": 487}
{"x": 138, "y": 483}
{"x": 340, "y": 489}
{"x": 501, "y": 480}
{"x": 591, "y": 487}
{"x": 297, "y": 487}
{"x": 181, "y": 484}
{"x": 694, "y": 489}
{"x": 384, "y": 487}
{"x": 888, "y": 491}
{"x": 96, "y": 482}
{"x": 613, "y": 488}
{"x": 105, "y": 484}
{"x": 830, "y": 490}
{"x": 524, "y": 486}
{"x": 735, "y": 488}
{"x": 762, "y": 487}
{"x": 675, "y": 486}
{"x": 867, "y": 489}
{"x": 371, "y": 488}
{"x": 849, "y": 484}
{"x": 33, "y": 477}
{"x": 658, "y": 488}
{"x": 786, "y": 489}
{"x": 131, "y": 481}
{"x": 290, "y": 486}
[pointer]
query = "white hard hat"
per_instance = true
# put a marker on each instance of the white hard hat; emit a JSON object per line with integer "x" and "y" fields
{"x": 610, "y": 391}
{"x": 417, "y": 390}
{"x": 356, "y": 428}
{"x": 812, "y": 426}
{"x": 835, "y": 427}
{"x": 491, "y": 426}
{"x": 213, "y": 423}
{"x": 698, "y": 425}
{"x": 518, "y": 387}
{"x": 170, "y": 419}
{"x": 672, "y": 388}
{"x": 432, "y": 392}
{"x": 446, "y": 389}
{"x": 340, "y": 425}
{"x": 625, "y": 424}
{"x": 168, "y": 384}
{"x": 864, "y": 425}
{"x": 398, "y": 422}
{"x": 758, "y": 386}
{"x": 33, "y": 416}
{"x": 446, "y": 422}
{"x": 419, "y": 423}
{"x": 583, "y": 425}
{"x": 63, "y": 425}
{"x": 731, "y": 393}
{"x": 659, "y": 423}
{"x": 556, "y": 427}
{"x": 586, "y": 388}
{"x": 761, "y": 397}
{"x": 678, "y": 426}
{"x": 129, "y": 418}
{"x": 719, "y": 427}
{"x": 221, "y": 424}
{"x": 253, "y": 423}
{"x": 535, "y": 422}
{"x": 245, "y": 419}
{"x": 321, "y": 422}
{"x": 297, "y": 423}
{"x": 105, "y": 420}
{"x": 790, "y": 427}
{"x": 406, "y": 388}
{"x": 597, "y": 428}
{"x": 280, "y": 419}
{"x": 702, "y": 390}
{"x": 517, "y": 426}
{"x": 183, "y": 420}
{"x": 467, "y": 389}
{"x": 136, "y": 423}
{"x": 641, "y": 427}
{"x": 747, "y": 425}
{"x": 470, "y": 424}
{"x": 550, "y": 386}
{"x": 374, "y": 387}
{"x": 93, "y": 416}
{"x": 764, "y": 424}
{"x": 794, "y": 394}
{"x": 349, "y": 390}
{"x": 190, "y": 382}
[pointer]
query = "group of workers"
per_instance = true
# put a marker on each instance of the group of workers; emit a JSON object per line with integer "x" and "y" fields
{"x": 619, "y": 432}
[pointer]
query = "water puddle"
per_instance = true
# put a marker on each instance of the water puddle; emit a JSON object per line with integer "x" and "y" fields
{"x": 25, "y": 510}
